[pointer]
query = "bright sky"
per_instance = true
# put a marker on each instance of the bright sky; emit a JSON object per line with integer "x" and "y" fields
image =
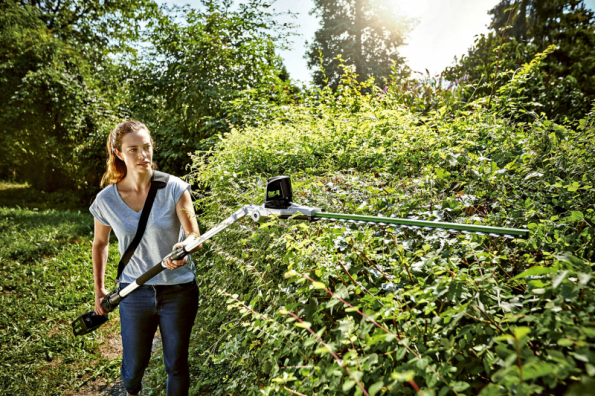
{"x": 446, "y": 28}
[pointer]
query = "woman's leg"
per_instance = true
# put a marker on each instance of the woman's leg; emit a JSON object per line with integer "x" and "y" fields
{"x": 178, "y": 305}
{"x": 138, "y": 323}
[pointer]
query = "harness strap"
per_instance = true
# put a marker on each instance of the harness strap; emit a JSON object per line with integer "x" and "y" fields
{"x": 158, "y": 181}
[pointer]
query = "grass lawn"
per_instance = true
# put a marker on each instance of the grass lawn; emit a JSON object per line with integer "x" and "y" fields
{"x": 45, "y": 282}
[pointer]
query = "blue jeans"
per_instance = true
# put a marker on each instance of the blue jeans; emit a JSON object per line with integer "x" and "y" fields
{"x": 171, "y": 307}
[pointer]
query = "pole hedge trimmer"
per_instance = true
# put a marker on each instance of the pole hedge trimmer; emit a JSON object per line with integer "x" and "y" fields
{"x": 278, "y": 203}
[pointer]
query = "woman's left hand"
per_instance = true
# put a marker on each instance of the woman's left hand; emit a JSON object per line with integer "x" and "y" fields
{"x": 173, "y": 264}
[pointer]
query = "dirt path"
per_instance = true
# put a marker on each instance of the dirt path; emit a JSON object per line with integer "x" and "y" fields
{"x": 111, "y": 349}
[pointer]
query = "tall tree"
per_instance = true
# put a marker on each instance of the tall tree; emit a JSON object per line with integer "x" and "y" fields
{"x": 366, "y": 33}
{"x": 566, "y": 85}
{"x": 565, "y": 23}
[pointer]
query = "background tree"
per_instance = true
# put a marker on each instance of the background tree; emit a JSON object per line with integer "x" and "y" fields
{"x": 367, "y": 33}
{"x": 54, "y": 66}
{"x": 96, "y": 27}
{"x": 70, "y": 70}
{"x": 207, "y": 70}
{"x": 565, "y": 85}
{"x": 566, "y": 23}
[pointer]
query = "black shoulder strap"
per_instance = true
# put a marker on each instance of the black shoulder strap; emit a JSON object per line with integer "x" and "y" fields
{"x": 158, "y": 181}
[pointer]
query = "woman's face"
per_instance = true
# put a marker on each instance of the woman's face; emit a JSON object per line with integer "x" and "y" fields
{"x": 137, "y": 151}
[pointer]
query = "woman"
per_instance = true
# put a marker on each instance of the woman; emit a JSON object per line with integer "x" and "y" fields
{"x": 169, "y": 300}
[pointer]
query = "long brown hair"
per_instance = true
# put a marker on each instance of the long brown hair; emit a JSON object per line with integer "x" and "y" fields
{"x": 116, "y": 168}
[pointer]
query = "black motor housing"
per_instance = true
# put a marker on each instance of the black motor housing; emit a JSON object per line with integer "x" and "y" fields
{"x": 279, "y": 194}
{"x": 88, "y": 322}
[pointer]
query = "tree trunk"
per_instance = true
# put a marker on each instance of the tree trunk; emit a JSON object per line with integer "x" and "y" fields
{"x": 522, "y": 27}
{"x": 359, "y": 54}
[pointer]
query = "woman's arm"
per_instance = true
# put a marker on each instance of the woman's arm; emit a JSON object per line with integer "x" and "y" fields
{"x": 185, "y": 212}
{"x": 99, "y": 254}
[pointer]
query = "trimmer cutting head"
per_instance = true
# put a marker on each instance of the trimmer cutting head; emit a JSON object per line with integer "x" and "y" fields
{"x": 279, "y": 194}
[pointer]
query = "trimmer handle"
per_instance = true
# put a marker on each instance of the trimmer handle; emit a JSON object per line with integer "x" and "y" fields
{"x": 111, "y": 301}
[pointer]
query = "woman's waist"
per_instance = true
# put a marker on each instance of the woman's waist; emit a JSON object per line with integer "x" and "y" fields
{"x": 137, "y": 268}
{"x": 163, "y": 288}
{"x": 160, "y": 293}
{"x": 124, "y": 284}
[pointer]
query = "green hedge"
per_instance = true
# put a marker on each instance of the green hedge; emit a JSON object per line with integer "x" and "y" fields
{"x": 400, "y": 310}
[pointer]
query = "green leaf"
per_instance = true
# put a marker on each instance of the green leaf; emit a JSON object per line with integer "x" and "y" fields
{"x": 569, "y": 258}
{"x": 348, "y": 384}
{"x": 352, "y": 309}
{"x": 401, "y": 352}
{"x": 421, "y": 363}
{"x": 589, "y": 331}
{"x": 375, "y": 388}
{"x": 583, "y": 357}
{"x": 402, "y": 376}
{"x": 583, "y": 279}
{"x": 520, "y": 332}
{"x": 537, "y": 370}
{"x": 492, "y": 390}
{"x": 558, "y": 278}
{"x": 459, "y": 386}
{"x": 303, "y": 325}
{"x": 575, "y": 216}
{"x": 321, "y": 350}
{"x": 565, "y": 342}
{"x": 537, "y": 270}
{"x": 318, "y": 285}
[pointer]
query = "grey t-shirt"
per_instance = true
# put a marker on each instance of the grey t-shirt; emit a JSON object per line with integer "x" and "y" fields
{"x": 162, "y": 233}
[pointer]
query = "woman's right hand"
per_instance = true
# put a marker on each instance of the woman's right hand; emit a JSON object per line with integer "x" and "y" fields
{"x": 98, "y": 298}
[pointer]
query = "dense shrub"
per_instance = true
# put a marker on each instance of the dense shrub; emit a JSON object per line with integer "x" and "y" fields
{"x": 291, "y": 307}
{"x": 58, "y": 61}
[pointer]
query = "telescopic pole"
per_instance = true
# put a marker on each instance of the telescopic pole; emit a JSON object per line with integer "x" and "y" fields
{"x": 278, "y": 204}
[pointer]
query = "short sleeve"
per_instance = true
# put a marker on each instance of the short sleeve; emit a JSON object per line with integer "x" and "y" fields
{"x": 96, "y": 212}
{"x": 178, "y": 186}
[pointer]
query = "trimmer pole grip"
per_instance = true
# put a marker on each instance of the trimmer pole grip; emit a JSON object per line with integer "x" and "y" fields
{"x": 178, "y": 253}
{"x": 111, "y": 301}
